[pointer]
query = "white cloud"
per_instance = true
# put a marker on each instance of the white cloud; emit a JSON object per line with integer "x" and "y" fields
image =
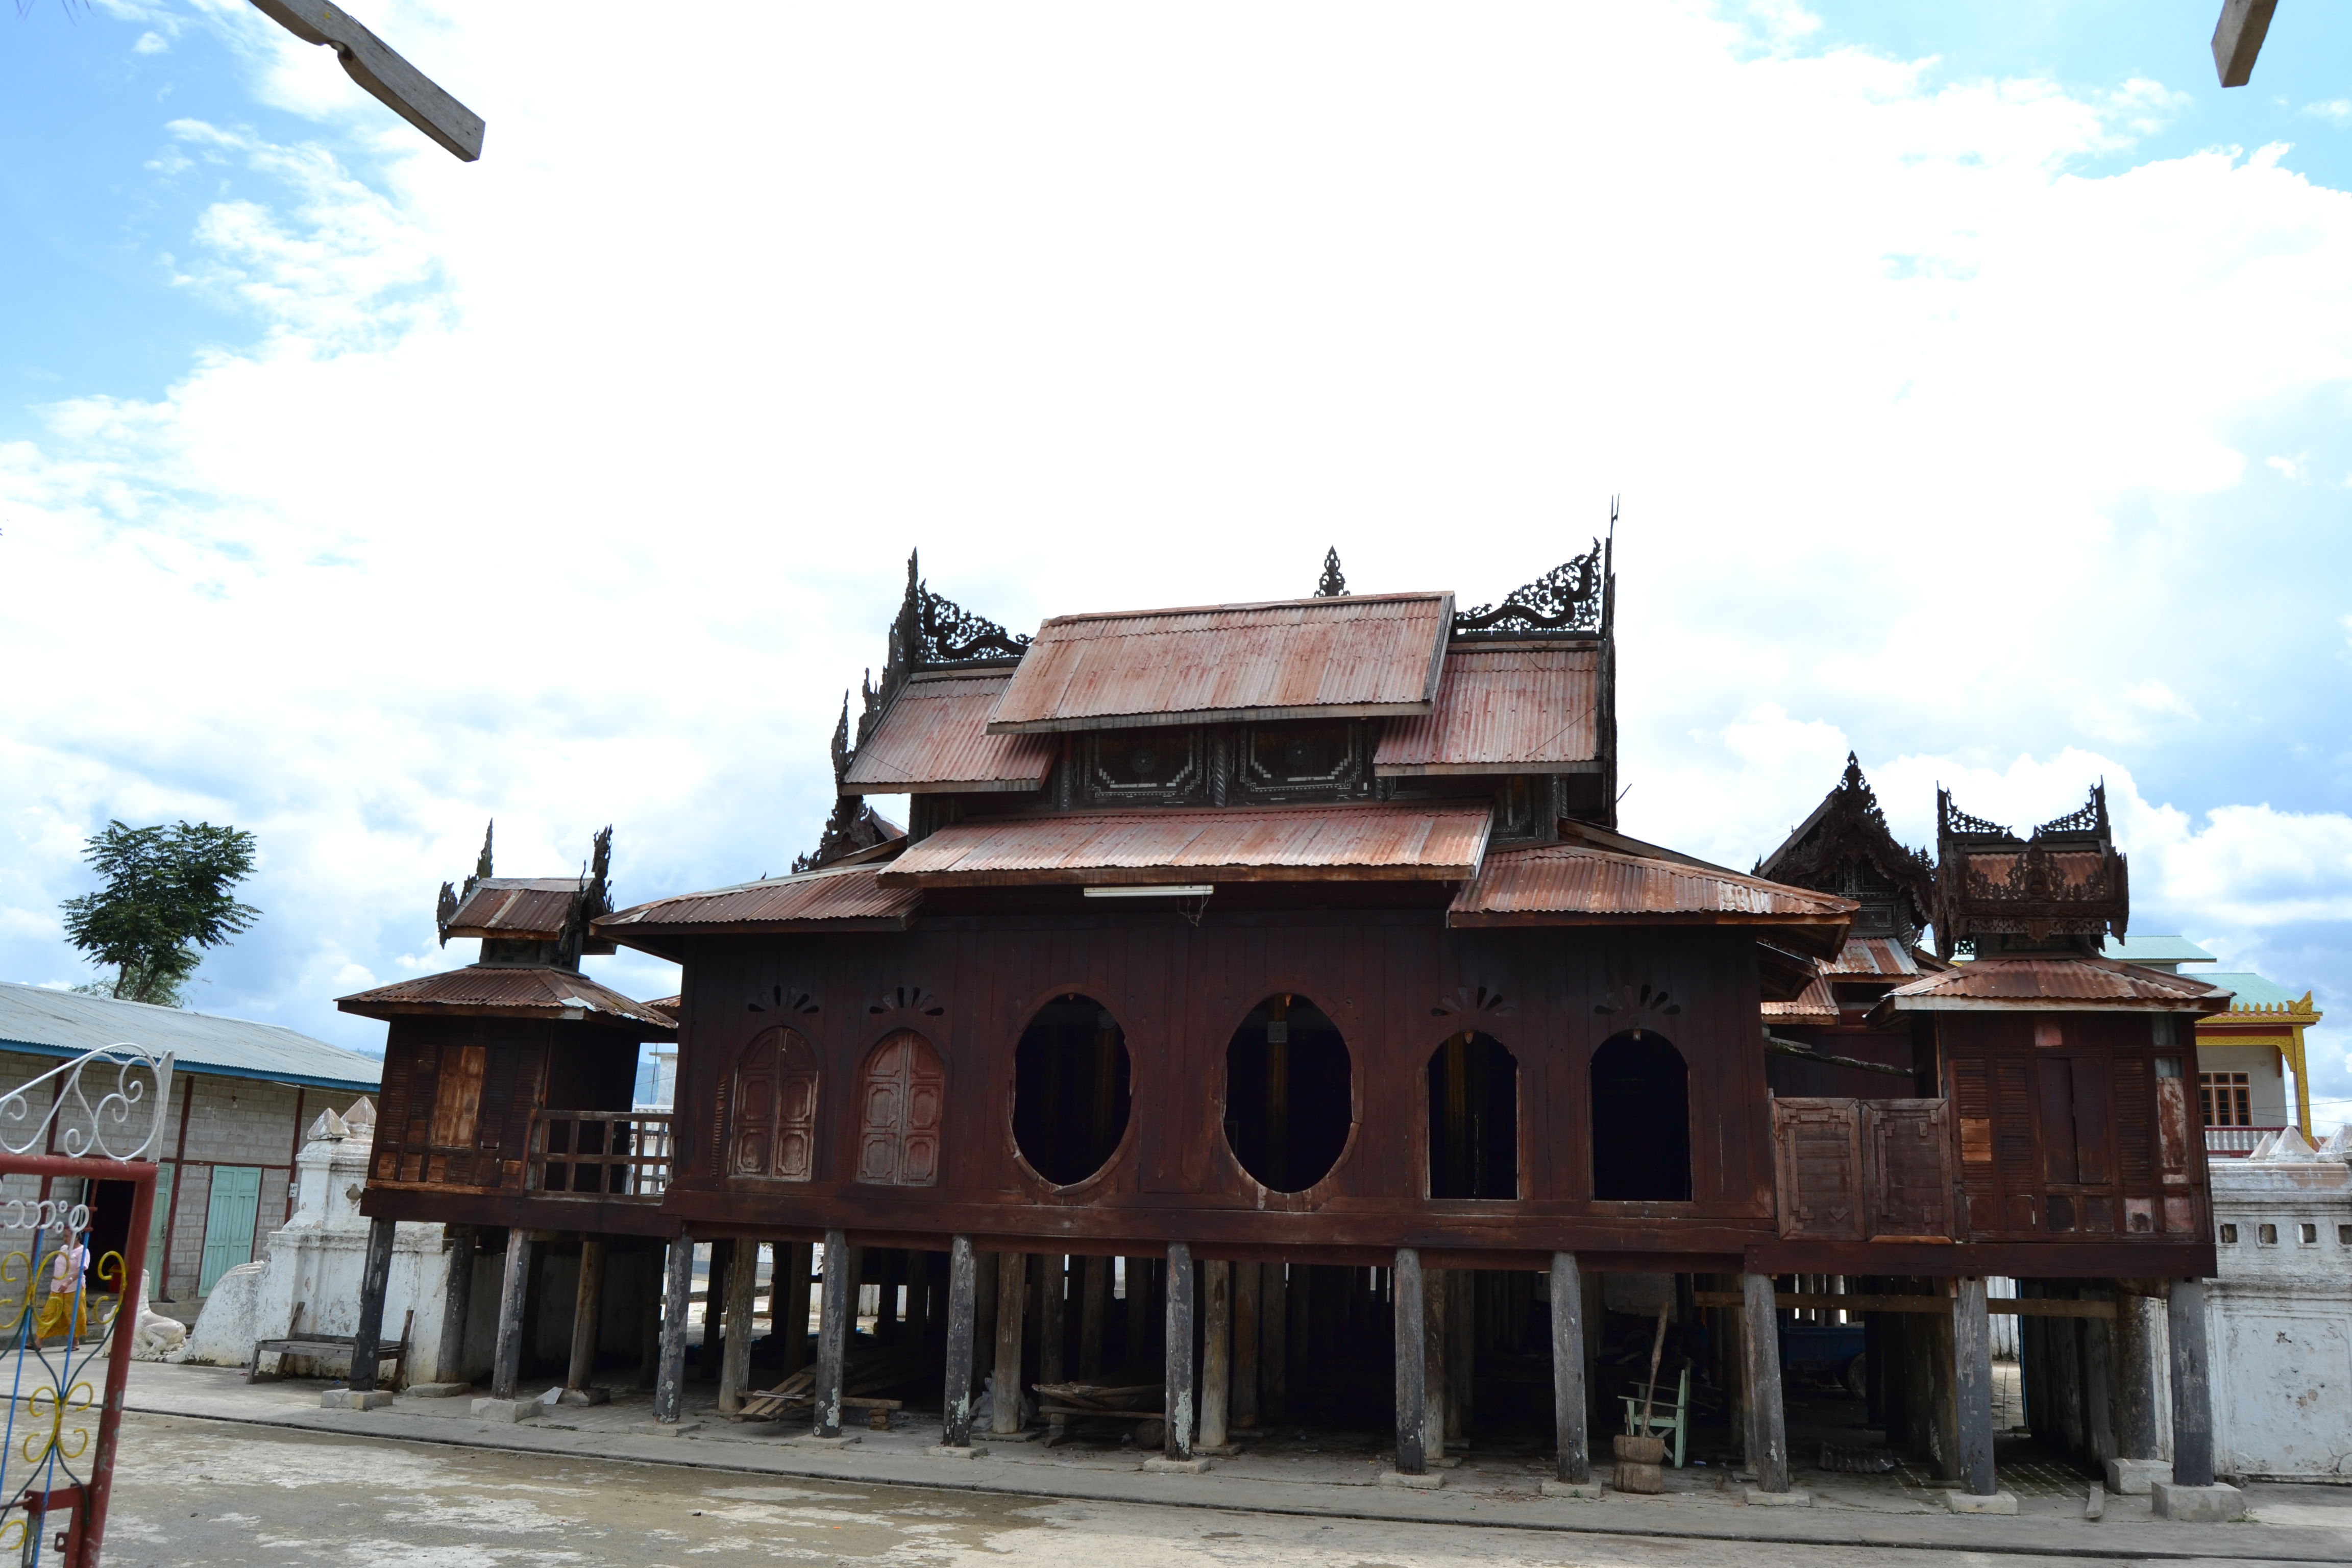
{"x": 2337, "y": 110}
{"x": 150, "y": 43}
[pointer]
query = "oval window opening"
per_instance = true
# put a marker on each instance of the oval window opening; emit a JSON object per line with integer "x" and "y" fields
{"x": 1641, "y": 1121}
{"x": 1289, "y": 1094}
{"x": 1473, "y": 1118}
{"x": 1070, "y": 1090}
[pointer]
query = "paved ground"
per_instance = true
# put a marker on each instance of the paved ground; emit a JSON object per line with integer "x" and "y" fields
{"x": 199, "y": 1492}
{"x": 215, "y": 1470}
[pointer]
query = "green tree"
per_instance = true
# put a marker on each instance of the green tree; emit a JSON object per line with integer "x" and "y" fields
{"x": 167, "y": 896}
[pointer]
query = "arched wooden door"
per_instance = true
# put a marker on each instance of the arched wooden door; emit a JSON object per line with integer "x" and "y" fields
{"x": 901, "y": 1100}
{"x": 774, "y": 1130}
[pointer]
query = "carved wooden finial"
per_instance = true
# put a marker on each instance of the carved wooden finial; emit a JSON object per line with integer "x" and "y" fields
{"x": 1334, "y": 583}
{"x": 482, "y": 866}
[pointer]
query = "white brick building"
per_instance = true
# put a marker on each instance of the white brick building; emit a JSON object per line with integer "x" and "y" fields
{"x": 241, "y": 1096}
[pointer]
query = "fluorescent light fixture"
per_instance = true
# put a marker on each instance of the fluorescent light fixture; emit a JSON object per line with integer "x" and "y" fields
{"x": 1153, "y": 891}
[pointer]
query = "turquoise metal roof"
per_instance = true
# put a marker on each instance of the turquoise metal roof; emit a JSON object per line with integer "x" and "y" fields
{"x": 2154, "y": 951}
{"x": 2252, "y": 990}
{"x": 65, "y": 1023}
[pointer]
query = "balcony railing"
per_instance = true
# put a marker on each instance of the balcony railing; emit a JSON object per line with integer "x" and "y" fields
{"x": 2235, "y": 1143}
{"x": 599, "y": 1154}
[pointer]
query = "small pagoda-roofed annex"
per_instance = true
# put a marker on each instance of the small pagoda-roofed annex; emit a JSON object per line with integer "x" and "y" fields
{"x": 506, "y": 1116}
{"x": 1280, "y": 962}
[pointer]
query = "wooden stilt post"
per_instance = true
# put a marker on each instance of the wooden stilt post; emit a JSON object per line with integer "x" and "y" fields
{"x": 1179, "y": 1406}
{"x": 1094, "y": 1306}
{"x": 735, "y": 1364}
{"x": 514, "y": 1292}
{"x": 1246, "y": 1310}
{"x": 1767, "y": 1431}
{"x": 375, "y": 1280}
{"x": 1216, "y": 1353}
{"x": 2192, "y": 1389}
{"x": 587, "y": 1316}
{"x": 1276, "y": 1287}
{"x": 1053, "y": 1325}
{"x": 1575, "y": 1451}
{"x": 1412, "y": 1367}
{"x": 457, "y": 1303}
{"x": 1972, "y": 1386}
{"x": 677, "y": 1288}
{"x": 2134, "y": 1374}
{"x": 833, "y": 1332}
{"x": 789, "y": 1313}
{"x": 1011, "y": 1296}
{"x": 964, "y": 1312}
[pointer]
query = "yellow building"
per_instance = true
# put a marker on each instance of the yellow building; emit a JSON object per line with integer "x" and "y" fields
{"x": 2243, "y": 1056}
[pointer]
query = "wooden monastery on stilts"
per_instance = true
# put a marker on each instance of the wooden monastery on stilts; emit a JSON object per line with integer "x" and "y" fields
{"x": 1261, "y": 1016}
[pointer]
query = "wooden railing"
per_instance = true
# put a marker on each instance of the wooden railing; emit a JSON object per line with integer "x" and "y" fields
{"x": 599, "y": 1154}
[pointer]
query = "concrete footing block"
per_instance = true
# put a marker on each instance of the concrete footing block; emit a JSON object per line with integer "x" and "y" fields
{"x": 1796, "y": 1496}
{"x": 2132, "y": 1478}
{"x": 1587, "y": 1492}
{"x": 811, "y": 1440}
{"x": 1969, "y": 1502}
{"x": 1161, "y": 1465}
{"x": 2216, "y": 1504}
{"x": 665, "y": 1428}
{"x": 355, "y": 1399}
{"x": 507, "y": 1409}
{"x": 584, "y": 1396}
{"x": 1424, "y": 1483}
{"x": 950, "y": 1451}
{"x": 436, "y": 1391}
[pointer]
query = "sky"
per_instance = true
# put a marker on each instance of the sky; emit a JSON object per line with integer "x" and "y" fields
{"x": 1975, "y": 380}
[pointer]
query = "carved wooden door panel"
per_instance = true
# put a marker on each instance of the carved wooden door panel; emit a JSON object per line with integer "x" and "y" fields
{"x": 774, "y": 1130}
{"x": 901, "y": 1100}
{"x": 1908, "y": 1166}
{"x": 1817, "y": 1158}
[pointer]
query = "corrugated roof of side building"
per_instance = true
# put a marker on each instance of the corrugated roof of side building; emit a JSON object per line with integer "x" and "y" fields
{"x": 839, "y": 898}
{"x": 1345, "y": 843}
{"x": 1874, "y": 958}
{"x": 2055, "y": 981}
{"x": 2155, "y": 948}
{"x": 2252, "y": 991}
{"x": 1506, "y": 708}
{"x": 509, "y": 991}
{"x": 65, "y": 1023}
{"x": 1817, "y": 1007}
{"x": 1361, "y": 656}
{"x": 1570, "y": 884}
{"x": 934, "y": 737}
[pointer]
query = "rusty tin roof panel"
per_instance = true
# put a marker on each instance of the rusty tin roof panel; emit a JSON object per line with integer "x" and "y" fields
{"x": 521, "y": 909}
{"x": 934, "y": 737}
{"x": 1364, "y": 843}
{"x": 844, "y": 898}
{"x": 1569, "y": 884}
{"x": 2058, "y": 981}
{"x": 1528, "y": 708}
{"x": 1364, "y": 655}
{"x": 1872, "y": 958}
{"x": 532, "y": 991}
{"x": 1818, "y": 1007}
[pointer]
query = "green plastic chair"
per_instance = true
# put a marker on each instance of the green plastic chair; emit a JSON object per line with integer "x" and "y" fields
{"x": 1677, "y": 1421}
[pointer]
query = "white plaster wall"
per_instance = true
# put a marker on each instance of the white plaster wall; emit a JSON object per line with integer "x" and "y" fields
{"x": 316, "y": 1261}
{"x": 2279, "y": 1315}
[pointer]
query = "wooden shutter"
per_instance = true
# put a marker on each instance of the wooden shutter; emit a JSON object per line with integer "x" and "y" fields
{"x": 2013, "y": 1132}
{"x": 392, "y": 1110}
{"x": 1907, "y": 1167}
{"x": 796, "y": 1109}
{"x": 1972, "y": 1098}
{"x": 751, "y": 1109}
{"x": 458, "y": 1098}
{"x": 2135, "y": 1126}
{"x": 2094, "y": 1121}
{"x": 901, "y": 1103}
{"x": 1817, "y": 1156}
{"x": 2055, "y": 1079}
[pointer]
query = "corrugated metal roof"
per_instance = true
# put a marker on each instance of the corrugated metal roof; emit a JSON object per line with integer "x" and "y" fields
{"x": 1526, "y": 708}
{"x": 841, "y": 899}
{"x": 2155, "y": 948}
{"x": 519, "y": 909}
{"x": 65, "y": 1023}
{"x": 1872, "y": 958}
{"x": 1566, "y": 884}
{"x": 934, "y": 736}
{"x": 2055, "y": 981}
{"x": 1348, "y": 842}
{"x": 1366, "y": 656}
{"x": 1817, "y": 1006}
{"x": 502, "y": 990}
{"x": 2247, "y": 991}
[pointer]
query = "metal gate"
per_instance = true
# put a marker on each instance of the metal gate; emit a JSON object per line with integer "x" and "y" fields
{"x": 68, "y": 1310}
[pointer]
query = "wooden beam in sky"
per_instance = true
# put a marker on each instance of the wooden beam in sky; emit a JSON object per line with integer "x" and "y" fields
{"x": 369, "y": 62}
{"x": 2238, "y": 38}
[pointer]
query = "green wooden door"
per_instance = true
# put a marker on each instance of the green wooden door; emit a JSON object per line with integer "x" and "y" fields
{"x": 229, "y": 1222}
{"x": 159, "y": 1231}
